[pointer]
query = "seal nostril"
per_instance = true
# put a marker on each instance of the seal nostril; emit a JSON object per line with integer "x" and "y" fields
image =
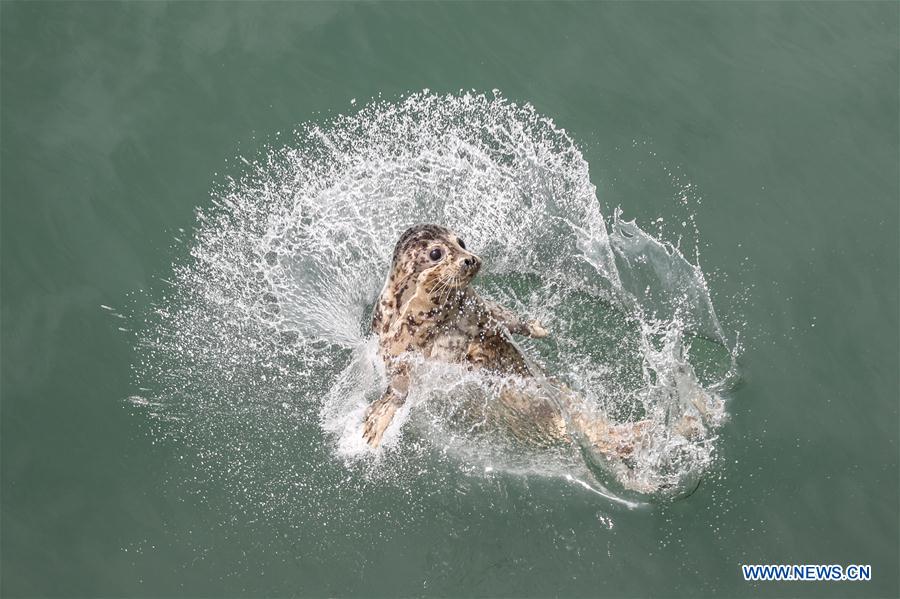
{"x": 468, "y": 262}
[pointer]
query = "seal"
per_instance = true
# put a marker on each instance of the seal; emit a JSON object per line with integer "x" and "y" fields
{"x": 428, "y": 309}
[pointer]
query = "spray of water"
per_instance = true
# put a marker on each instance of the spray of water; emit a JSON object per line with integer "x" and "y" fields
{"x": 259, "y": 359}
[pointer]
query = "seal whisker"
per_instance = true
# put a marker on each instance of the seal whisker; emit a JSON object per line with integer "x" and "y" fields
{"x": 452, "y": 286}
{"x": 439, "y": 289}
{"x": 449, "y": 288}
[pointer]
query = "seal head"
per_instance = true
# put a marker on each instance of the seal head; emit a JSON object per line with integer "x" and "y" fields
{"x": 429, "y": 261}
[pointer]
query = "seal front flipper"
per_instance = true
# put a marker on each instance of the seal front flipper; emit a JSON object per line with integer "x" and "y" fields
{"x": 379, "y": 417}
{"x": 513, "y": 322}
{"x": 381, "y": 412}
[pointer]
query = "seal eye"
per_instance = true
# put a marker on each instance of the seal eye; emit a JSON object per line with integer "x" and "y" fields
{"x": 461, "y": 244}
{"x": 436, "y": 254}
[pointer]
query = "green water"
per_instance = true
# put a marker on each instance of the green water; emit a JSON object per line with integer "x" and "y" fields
{"x": 117, "y": 119}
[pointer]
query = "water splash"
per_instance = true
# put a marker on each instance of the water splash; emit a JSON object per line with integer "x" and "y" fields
{"x": 259, "y": 355}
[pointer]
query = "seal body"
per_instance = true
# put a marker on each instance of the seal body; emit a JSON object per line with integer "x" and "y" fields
{"x": 427, "y": 307}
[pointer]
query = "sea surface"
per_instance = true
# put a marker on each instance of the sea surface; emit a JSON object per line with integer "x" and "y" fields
{"x": 698, "y": 199}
